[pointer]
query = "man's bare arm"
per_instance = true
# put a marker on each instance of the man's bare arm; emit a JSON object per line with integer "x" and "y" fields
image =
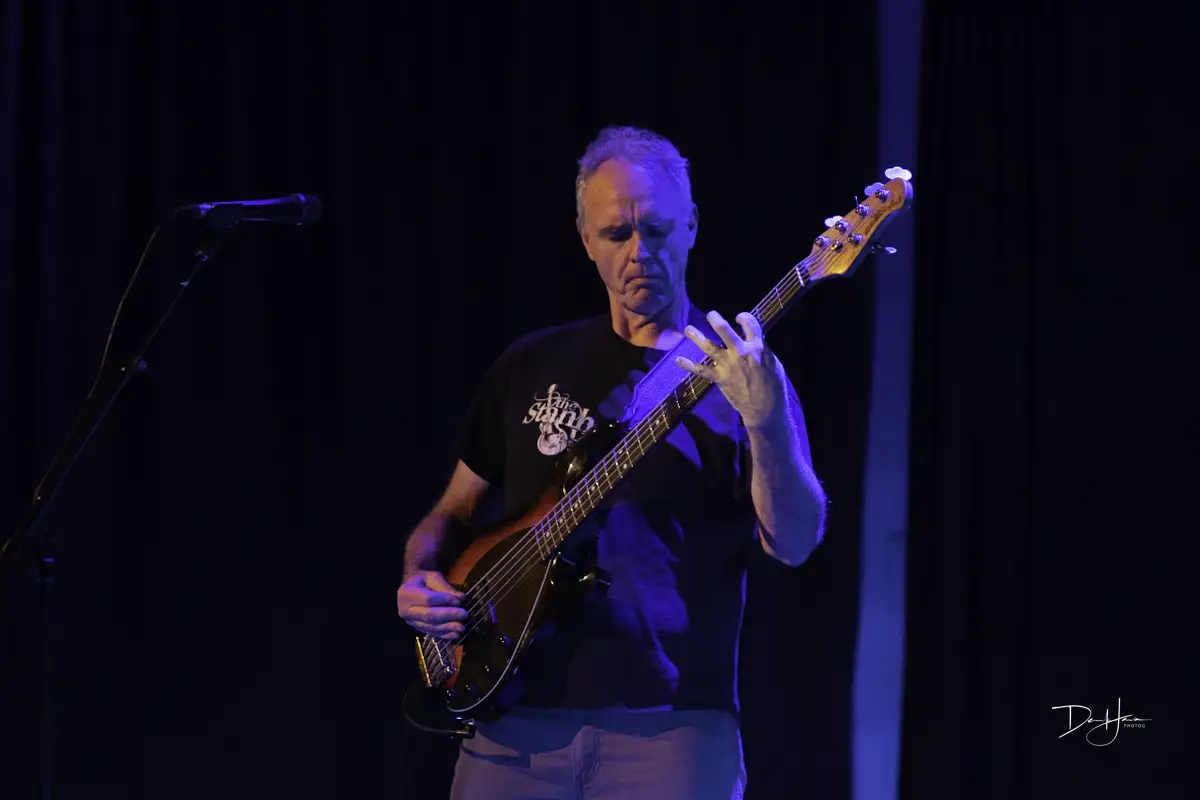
{"x": 425, "y": 600}
{"x": 457, "y": 504}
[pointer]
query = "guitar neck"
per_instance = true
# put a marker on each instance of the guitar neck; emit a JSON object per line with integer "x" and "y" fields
{"x": 587, "y": 494}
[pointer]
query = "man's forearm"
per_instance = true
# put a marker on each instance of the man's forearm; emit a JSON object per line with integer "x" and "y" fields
{"x": 426, "y": 543}
{"x": 788, "y": 498}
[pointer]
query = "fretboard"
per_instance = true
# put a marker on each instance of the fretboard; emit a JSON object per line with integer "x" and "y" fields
{"x": 588, "y": 493}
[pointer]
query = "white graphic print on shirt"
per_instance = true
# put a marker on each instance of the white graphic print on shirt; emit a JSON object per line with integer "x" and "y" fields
{"x": 560, "y": 420}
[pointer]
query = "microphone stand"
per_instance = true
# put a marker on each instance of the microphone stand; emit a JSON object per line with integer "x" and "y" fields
{"x": 109, "y": 385}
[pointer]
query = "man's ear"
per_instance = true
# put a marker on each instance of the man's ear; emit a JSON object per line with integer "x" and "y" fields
{"x": 693, "y": 224}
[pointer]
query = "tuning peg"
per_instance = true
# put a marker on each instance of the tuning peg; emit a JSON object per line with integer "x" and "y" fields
{"x": 897, "y": 172}
{"x": 872, "y": 189}
{"x": 882, "y": 248}
{"x": 837, "y": 222}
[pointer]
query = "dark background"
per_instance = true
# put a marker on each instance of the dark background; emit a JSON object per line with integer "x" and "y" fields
{"x": 231, "y": 541}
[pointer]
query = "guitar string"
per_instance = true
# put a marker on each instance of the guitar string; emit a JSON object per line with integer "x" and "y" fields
{"x": 567, "y": 509}
{"x": 519, "y": 560}
{"x": 520, "y": 567}
{"x": 795, "y": 278}
{"x": 523, "y": 565}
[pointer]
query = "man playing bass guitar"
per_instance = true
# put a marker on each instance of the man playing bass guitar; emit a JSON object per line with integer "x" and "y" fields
{"x": 637, "y": 696}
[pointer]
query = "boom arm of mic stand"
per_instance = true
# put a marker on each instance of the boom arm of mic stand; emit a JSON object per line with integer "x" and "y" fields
{"x": 98, "y": 402}
{"x": 105, "y": 396}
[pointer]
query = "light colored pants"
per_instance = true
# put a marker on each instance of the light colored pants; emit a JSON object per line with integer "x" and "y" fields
{"x": 596, "y": 755}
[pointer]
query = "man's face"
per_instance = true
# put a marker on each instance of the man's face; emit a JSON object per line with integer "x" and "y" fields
{"x": 638, "y": 229}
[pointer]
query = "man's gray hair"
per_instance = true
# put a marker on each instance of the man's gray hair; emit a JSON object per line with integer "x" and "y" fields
{"x": 638, "y": 146}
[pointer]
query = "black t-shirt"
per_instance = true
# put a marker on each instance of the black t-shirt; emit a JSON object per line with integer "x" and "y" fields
{"x": 675, "y": 534}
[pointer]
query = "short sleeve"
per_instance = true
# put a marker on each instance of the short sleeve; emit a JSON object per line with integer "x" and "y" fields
{"x": 480, "y": 442}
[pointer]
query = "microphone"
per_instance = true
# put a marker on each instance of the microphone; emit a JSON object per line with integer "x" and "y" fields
{"x": 295, "y": 209}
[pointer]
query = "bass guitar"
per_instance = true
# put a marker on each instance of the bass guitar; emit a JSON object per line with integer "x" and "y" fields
{"x": 519, "y": 578}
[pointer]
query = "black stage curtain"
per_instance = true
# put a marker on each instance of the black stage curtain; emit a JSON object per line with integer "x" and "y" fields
{"x": 1050, "y": 457}
{"x": 231, "y": 541}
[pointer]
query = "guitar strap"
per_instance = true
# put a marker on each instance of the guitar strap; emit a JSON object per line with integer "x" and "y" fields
{"x": 665, "y": 376}
{"x": 654, "y": 387}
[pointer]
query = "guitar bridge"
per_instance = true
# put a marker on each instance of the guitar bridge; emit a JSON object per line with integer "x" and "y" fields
{"x": 435, "y": 658}
{"x": 421, "y": 663}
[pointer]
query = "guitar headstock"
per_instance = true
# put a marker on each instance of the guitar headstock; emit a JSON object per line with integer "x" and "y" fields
{"x": 847, "y": 240}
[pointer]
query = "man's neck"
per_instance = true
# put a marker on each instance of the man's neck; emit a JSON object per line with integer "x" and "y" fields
{"x": 661, "y": 332}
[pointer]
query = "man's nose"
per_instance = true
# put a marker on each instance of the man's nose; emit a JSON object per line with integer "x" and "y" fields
{"x": 638, "y": 243}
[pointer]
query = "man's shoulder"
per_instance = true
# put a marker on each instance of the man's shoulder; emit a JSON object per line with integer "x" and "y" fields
{"x": 554, "y": 336}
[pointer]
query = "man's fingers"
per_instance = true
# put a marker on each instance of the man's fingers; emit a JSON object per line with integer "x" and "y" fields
{"x": 430, "y": 605}
{"x": 441, "y": 599}
{"x": 450, "y": 630}
{"x": 703, "y": 370}
{"x": 436, "y": 615}
{"x": 702, "y": 341}
{"x": 437, "y": 581}
{"x": 728, "y": 335}
{"x": 750, "y": 326}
